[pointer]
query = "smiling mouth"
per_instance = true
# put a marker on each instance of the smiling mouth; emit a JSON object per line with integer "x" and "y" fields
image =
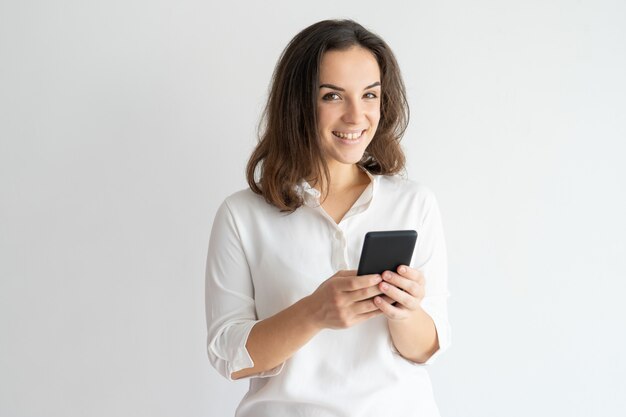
{"x": 349, "y": 135}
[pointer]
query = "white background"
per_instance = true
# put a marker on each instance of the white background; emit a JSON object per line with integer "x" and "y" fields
{"x": 124, "y": 124}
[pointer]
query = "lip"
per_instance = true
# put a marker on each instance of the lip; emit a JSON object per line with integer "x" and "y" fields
{"x": 350, "y": 141}
{"x": 350, "y": 131}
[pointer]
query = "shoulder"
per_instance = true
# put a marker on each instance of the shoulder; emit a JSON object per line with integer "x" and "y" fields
{"x": 399, "y": 187}
{"x": 242, "y": 198}
{"x": 408, "y": 196}
{"x": 246, "y": 204}
{"x": 411, "y": 199}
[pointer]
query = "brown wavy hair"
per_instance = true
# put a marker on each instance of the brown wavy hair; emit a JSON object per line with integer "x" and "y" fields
{"x": 289, "y": 147}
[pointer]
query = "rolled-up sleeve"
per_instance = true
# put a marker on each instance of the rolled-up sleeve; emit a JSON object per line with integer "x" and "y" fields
{"x": 229, "y": 299}
{"x": 431, "y": 259}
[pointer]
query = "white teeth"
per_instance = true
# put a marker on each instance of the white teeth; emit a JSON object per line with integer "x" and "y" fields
{"x": 350, "y": 136}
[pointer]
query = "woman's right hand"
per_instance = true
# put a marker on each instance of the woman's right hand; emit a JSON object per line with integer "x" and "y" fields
{"x": 345, "y": 299}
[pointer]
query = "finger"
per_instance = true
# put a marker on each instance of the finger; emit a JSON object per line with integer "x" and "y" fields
{"x": 408, "y": 272}
{"x": 394, "y": 313}
{"x": 388, "y": 299}
{"x": 369, "y": 315}
{"x": 355, "y": 283}
{"x": 367, "y": 305}
{"x": 367, "y": 293}
{"x": 409, "y": 301}
{"x": 346, "y": 272}
{"x": 401, "y": 282}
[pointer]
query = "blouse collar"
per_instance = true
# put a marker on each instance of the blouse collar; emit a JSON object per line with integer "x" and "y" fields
{"x": 311, "y": 196}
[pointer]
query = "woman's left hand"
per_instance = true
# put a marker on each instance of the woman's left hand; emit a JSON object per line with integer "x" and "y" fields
{"x": 408, "y": 301}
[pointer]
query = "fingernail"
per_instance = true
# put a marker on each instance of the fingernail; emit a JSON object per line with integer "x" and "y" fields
{"x": 402, "y": 269}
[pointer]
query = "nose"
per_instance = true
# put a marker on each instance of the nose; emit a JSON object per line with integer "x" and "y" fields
{"x": 354, "y": 112}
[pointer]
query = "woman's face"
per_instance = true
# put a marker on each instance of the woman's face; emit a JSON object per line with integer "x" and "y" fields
{"x": 348, "y": 103}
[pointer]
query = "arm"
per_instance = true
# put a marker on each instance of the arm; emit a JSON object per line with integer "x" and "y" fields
{"x": 412, "y": 329}
{"x": 274, "y": 340}
{"x": 415, "y": 338}
{"x": 341, "y": 301}
{"x": 238, "y": 344}
{"x": 418, "y": 323}
{"x": 229, "y": 301}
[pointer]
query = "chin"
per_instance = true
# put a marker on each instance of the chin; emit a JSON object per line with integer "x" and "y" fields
{"x": 347, "y": 159}
{"x": 344, "y": 156}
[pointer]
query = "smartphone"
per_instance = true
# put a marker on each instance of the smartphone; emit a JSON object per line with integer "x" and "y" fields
{"x": 386, "y": 250}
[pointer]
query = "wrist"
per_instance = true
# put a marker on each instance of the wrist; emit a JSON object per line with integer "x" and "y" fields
{"x": 309, "y": 314}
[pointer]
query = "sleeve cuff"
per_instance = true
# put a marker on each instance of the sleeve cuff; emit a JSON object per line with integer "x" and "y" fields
{"x": 229, "y": 346}
{"x": 443, "y": 332}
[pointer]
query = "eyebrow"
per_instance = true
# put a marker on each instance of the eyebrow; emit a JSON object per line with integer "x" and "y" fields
{"x": 334, "y": 87}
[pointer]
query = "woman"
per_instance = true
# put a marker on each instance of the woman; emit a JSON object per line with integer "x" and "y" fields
{"x": 285, "y": 307}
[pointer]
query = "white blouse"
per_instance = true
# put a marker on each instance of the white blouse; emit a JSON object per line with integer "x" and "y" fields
{"x": 261, "y": 261}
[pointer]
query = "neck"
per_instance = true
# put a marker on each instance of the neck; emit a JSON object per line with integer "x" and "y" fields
{"x": 343, "y": 177}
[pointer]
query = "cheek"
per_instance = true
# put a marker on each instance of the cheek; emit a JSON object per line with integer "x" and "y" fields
{"x": 374, "y": 122}
{"x": 324, "y": 120}
{"x": 322, "y": 129}
{"x": 374, "y": 114}
{"x": 324, "y": 115}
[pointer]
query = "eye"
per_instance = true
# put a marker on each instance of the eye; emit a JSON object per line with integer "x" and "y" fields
{"x": 371, "y": 95}
{"x": 330, "y": 97}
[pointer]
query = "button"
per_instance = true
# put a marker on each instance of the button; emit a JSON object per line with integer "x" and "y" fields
{"x": 338, "y": 234}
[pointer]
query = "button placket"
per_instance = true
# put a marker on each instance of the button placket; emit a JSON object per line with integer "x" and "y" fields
{"x": 339, "y": 249}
